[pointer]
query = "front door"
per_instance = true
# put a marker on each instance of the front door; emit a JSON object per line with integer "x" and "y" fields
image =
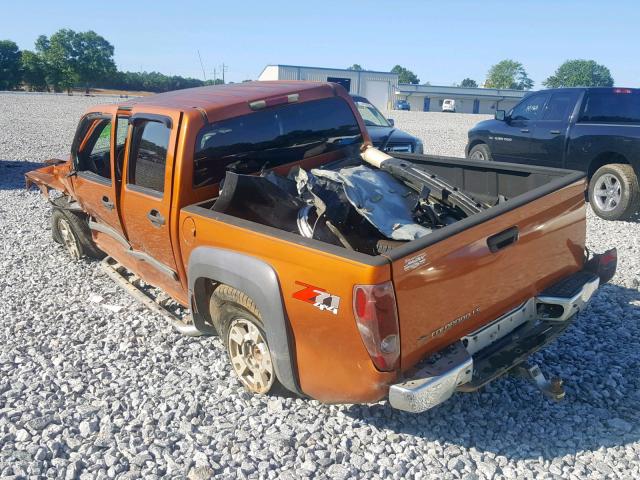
{"x": 93, "y": 156}
{"x": 549, "y": 137}
{"x": 511, "y": 141}
{"x": 147, "y": 186}
{"x": 427, "y": 104}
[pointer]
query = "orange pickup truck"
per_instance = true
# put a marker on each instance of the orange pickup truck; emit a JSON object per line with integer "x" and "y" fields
{"x": 329, "y": 269}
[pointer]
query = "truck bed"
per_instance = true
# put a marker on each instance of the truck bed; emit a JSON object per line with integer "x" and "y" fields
{"x": 447, "y": 283}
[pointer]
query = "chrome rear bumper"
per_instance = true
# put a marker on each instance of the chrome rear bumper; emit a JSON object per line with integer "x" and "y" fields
{"x": 497, "y": 347}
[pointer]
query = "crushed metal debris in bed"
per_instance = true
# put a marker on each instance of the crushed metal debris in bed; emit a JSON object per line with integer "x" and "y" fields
{"x": 357, "y": 206}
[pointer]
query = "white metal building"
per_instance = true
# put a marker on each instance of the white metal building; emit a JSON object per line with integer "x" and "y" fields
{"x": 429, "y": 98}
{"x": 378, "y": 87}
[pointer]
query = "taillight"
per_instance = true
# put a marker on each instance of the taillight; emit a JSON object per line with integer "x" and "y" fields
{"x": 374, "y": 307}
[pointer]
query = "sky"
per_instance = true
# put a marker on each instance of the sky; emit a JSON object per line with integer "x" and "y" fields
{"x": 441, "y": 41}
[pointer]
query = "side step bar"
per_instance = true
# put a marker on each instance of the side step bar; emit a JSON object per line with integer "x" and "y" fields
{"x": 128, "y": 282}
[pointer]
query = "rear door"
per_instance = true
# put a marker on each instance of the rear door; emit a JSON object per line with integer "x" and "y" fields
{"x": 147, "y": 187}
{"x": 458, "y": 284}
{"x": 511, "y": 142}
{"x": 549, "y": 136}
{"x": 93, "y": 155}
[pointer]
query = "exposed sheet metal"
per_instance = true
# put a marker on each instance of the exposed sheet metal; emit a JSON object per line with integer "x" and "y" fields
{"x": 385, "y": 202}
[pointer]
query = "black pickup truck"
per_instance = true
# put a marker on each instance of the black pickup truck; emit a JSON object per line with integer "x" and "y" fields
{"x": 595, "y": 130}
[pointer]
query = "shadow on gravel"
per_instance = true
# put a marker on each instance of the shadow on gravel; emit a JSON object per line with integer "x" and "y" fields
{"x": 12, "y": 173}
{"x": 599, "y": 359}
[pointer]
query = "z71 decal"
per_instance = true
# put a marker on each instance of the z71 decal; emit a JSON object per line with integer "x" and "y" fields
{"x": 318, "y": 297}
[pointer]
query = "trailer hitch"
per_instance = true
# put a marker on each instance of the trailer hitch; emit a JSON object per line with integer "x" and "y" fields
{"x": 552, "y": 389}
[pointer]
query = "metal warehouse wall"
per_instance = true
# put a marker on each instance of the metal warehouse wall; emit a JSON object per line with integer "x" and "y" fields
{"x": 463, "y": 105}
{"x": 362, "y": 83}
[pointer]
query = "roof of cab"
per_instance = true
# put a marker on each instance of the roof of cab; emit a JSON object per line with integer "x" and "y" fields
{"x": 212, "y": 97}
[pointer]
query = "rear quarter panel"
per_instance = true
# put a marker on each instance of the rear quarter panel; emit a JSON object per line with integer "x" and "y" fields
{"x": 588, "y": 141}
{"x": 332, "y": 362}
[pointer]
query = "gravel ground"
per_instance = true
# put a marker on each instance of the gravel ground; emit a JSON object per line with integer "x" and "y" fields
{"x": 94, "y": 386}
{"x": 441, "y": 133}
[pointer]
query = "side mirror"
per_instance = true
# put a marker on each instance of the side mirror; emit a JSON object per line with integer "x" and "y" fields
{"x": 391, "y": 122}
{"x": 501, "y": 115}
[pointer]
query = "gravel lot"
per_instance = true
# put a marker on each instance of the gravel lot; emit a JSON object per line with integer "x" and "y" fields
{"x": 101, "y": 388}
{"x": 441, "y": 133}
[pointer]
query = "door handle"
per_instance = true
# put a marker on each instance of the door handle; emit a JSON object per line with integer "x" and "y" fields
{"x": 503, "y": 239}
{"x": 155, "y": 218}
{"x": 107, "y": 203}
{"x": 524, "y": 130}
{"x": 554, "y": 132}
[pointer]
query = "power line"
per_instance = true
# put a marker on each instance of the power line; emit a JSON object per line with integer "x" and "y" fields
{"x": 202, "y": 66}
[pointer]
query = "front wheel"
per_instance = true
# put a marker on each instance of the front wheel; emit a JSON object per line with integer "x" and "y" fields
{"x": 480, "y": 152}
{"x": 614, "y": 193}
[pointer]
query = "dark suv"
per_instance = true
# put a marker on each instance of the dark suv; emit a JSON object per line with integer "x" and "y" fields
{"x": 596, "y": 130}
{"x": 382, "y": 131}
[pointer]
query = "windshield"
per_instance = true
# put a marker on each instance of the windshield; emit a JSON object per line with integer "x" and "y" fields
{"x": 371, "y": 115}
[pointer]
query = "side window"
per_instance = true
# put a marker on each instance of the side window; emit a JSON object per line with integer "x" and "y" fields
{"x": 530, "y": 108}
{"x": 559, "y": 106}
{"x": 616, "y": 105}
{"x": 148, "y": 155}
{"x": 94, "y": 151}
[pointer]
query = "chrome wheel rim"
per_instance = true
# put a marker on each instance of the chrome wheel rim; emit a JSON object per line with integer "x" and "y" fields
{"x": 477, "y": 155}
{"x": 250, "y": 356}
{"x": 68, "y": 238}
{"x": 607, "y": 192}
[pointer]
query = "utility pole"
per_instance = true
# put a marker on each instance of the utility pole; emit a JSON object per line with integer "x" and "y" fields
{"x": 224, "y": 69}
{"x": 215, "y": 75}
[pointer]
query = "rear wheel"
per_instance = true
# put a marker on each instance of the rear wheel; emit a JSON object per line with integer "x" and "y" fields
{"x": 238, "y": 321}
{"x": 614, "y": 193}
{"x": 480, "y": 152}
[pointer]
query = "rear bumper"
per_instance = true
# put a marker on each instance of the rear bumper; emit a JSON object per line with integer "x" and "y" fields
{"x": 494, "y": 349}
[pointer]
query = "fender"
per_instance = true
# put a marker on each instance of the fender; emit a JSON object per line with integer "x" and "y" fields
{"x": 259, "y": 281}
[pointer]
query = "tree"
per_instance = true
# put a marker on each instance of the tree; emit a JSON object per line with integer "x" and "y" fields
{"x": 355, "y": 66}
{"x": 75, "y": 57}
{"x": 508, "y": 74}
{"x": 404, "y": 75}
{"x": 580, "y": 73}
{"x": 92, "y": 57}
{"x": 9, "y": 65}
{"x": 469, "y": 83}
{"x": 33, "y": 71}
{"x": 56, "y": 55}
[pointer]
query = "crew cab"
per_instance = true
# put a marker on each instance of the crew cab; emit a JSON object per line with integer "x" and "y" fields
{"x": 594, "y": 130}
{"x": 329, "y": 268}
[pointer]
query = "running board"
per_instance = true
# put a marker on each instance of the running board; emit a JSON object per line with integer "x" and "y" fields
{"x": 131, "y": 284}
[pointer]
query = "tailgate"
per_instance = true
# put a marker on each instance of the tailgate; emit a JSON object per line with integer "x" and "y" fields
{"x": 461, "y": 282}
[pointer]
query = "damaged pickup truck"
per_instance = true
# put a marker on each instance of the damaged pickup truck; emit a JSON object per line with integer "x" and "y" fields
{"x": 329, "y": 269}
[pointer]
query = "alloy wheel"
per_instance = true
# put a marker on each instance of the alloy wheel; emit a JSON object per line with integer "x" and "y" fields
{"x": 250, "y": 356}
{"x": 69, "y": 240}
{"x": 607, "y": 192}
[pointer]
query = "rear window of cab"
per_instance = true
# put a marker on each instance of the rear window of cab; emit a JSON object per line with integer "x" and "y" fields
{"x": 271, "y": 137}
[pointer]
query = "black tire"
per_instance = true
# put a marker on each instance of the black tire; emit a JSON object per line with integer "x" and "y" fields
{"x": 79, "y": 228}
{"x": 481, "y": 152}
{"x": 625, "y": 192}
{"x": 229, "y": 306}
